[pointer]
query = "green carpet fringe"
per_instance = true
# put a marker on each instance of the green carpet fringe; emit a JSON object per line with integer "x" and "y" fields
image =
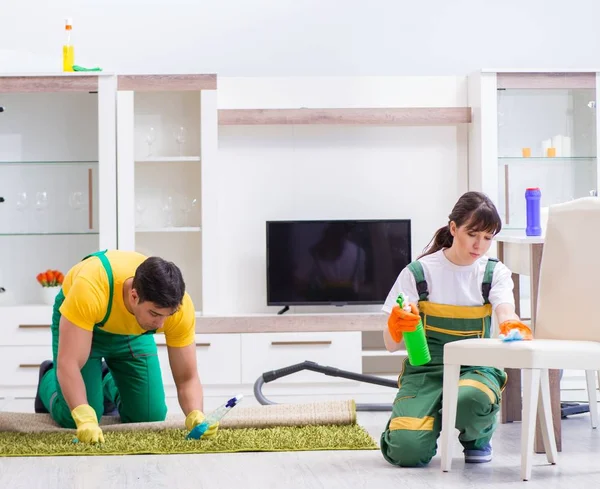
{"x": 279, "y": 439}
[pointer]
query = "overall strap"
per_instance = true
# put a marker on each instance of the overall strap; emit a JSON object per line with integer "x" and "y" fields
{"x": 417, "y": 270}
{"x": 488, "y": 276}
{"x": 111, "y": 283}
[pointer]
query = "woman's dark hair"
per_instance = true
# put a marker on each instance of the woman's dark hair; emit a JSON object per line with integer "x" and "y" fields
{"x": 160, "y": 282}
{"x": 474, "y": 209}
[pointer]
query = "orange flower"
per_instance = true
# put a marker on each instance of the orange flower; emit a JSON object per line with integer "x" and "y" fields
{"x": 50, "y": 278}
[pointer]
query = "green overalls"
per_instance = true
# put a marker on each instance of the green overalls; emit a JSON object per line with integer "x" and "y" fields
{"x": 134, "y": 383}
{"x": 410, "y": 437}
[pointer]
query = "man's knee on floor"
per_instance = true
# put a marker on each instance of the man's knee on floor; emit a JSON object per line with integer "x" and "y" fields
{"x": 409, "y": 447}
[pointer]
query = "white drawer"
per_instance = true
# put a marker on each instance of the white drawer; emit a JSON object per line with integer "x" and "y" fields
{"x": 263, "y": 352}
{"x": 218, "y": 358}
{"x": 25, "y": 325}
{"x": 19, "y": 365}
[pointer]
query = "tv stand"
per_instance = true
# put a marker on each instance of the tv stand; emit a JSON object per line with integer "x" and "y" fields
{"x": 284, "y": 310}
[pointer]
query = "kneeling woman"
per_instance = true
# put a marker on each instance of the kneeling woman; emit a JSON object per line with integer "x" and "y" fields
{"x": 454, "y": 289}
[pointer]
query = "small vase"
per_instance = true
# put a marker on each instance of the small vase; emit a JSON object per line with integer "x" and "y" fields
{"x": 49, "y": 294}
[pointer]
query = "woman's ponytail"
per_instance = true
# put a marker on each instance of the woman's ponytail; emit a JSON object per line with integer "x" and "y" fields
{"x": 442, "y": 239}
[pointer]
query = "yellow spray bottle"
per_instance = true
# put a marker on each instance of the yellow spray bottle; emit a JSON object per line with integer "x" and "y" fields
{"x": 68, "y": 50}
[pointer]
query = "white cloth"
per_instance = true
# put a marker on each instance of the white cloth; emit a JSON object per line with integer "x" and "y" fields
{"x": 453, "y": 284}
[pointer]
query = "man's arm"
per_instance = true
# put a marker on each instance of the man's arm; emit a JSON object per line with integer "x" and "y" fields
{"x": 185, "y": 373}
{"x": 74, "y": 345}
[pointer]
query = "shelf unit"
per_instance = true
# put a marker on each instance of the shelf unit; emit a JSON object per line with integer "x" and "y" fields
{"x": 162, "y": 197}
{"x": 414, "y": 116}
{"x": 517, "y": 116}
{"x": 57, "y": 175}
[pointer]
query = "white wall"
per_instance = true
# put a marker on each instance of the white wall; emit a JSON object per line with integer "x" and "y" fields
{"x": 328, "y": 172}
{"x": 309, "y": 38}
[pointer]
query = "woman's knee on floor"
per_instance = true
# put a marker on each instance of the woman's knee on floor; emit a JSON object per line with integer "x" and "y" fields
{"x": 409, "y": 447}
{"x": 476, "y": 399}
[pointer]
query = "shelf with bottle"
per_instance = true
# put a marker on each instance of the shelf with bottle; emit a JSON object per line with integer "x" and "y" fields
{"x": 544, "y": 159}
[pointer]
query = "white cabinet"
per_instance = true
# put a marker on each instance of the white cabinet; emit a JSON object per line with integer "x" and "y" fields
{"x": 167, "y": 141}
{"x": 57, "y": 176}
{"x": 533, "y": 130}
{"x": 263, "y": 352}
{"x": 218, "y": 357}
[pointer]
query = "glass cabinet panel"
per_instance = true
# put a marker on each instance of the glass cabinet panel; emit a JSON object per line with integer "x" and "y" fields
{"x": 546, "y": 139}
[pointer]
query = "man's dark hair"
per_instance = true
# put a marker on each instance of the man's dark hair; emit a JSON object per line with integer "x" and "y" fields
{"x": 160, "y": 282}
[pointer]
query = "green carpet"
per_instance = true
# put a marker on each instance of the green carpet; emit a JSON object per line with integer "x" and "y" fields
{"x": 280, "y": 439}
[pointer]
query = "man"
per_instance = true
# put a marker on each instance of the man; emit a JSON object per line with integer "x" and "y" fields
{"x": 110, "y": 305}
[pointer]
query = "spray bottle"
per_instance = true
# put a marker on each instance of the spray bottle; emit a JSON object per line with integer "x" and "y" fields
{"x": 68, "y": 50}
{"x": 415, "y": 341}
{"x": 214, "y": 417}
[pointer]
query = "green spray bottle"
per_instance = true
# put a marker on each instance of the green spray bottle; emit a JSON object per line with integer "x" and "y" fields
{"x": 415, "y": 341}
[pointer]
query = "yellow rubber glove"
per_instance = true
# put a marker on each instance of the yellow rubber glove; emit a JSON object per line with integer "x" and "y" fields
{"x": 86, "y": 421}
{"x": 197, "y": 417}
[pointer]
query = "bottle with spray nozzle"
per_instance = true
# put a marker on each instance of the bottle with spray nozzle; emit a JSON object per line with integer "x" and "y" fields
{"x": 415, "y": 341}
{"x": 68, "y": 50}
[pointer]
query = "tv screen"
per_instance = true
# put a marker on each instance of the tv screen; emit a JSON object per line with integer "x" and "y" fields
{"x": 335, "y": 262}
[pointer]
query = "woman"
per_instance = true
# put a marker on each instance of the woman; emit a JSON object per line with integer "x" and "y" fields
{"x": 457, "y": 289}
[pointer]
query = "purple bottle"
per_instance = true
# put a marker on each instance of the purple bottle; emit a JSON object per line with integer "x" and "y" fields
{"x": 532, "y": 198}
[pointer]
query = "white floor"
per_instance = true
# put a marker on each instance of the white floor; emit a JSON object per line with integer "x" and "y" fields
{"x": 579, "y": 466}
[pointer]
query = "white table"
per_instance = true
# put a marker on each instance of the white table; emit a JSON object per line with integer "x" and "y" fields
{"x": 523, "y": 256}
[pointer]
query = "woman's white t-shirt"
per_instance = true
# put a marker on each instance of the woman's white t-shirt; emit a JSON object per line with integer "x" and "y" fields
{"x": 452, "y": 284}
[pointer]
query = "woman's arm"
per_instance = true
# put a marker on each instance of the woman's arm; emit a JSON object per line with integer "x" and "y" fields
{"x": 506, "y": 312}
{"x": 390, "y": 344}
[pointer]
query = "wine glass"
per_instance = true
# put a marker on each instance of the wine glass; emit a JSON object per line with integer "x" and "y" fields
{"x": 188, "y": 206}
{"x": 21, "y": 201}
{"x": 76, "y": 200}
{"x": 150, "y": 139}
{"x": 41, "y": 200}
{"x": 140, "y": 207}
{"x": 180, "y": 137}
{"x": 168, "y": 210}
{"x": 22, "y": 204}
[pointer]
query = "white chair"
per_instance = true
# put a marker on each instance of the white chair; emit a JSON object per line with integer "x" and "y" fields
{"x": 567, "y": 333}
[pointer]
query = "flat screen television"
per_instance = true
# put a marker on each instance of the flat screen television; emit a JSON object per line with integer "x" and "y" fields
{"x": 339, "y": 262}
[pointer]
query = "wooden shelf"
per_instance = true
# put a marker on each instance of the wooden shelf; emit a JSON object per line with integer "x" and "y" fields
{"x": 550, "y": 80}
{"x": 159, "y": 83}
{"x": 401, "y": 116}
{"x": 49, "y": 83}
{"x": 290, "y": 323}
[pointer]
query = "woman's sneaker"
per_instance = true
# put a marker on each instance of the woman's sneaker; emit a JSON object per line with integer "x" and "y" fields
{"x": 478, "y": 456}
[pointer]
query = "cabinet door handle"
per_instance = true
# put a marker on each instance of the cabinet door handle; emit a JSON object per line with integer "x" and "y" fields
{"x": 30, "y": 365}
{"x": 34, "y": 326}
{"x": 300, "y": 343}
{"x": 1, "y": 109}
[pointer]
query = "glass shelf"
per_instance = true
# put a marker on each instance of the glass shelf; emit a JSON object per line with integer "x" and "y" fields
{"x": 90, "y": 233}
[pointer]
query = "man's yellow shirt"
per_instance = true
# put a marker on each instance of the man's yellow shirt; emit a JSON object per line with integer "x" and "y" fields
{"x": 86, "y": 291}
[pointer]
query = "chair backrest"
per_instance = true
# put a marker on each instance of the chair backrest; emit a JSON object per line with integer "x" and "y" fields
{"x": 569, "y": 289}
